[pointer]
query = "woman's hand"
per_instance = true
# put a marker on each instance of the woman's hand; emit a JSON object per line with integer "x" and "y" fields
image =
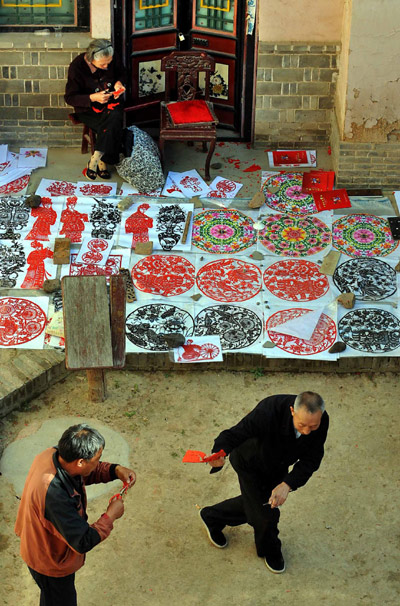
{"x": 118, "y": 85}
{"x": 101, "y": 97}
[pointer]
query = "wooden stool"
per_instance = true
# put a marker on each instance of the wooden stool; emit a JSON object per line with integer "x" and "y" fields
{"x": 88, "y": 135}
{"x": 94, "y": 329}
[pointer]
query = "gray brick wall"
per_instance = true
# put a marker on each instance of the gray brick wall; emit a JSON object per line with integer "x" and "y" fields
{"x": 33, "y": 72}
{"x": 295, "y": 94}
{"x": 365, "y": 164}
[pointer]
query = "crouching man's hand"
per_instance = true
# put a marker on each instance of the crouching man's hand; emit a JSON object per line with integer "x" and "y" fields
{"x": 279, "y": 495}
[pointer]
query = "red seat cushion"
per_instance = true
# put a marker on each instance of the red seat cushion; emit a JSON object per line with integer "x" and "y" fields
{"x": 190, "y": 112}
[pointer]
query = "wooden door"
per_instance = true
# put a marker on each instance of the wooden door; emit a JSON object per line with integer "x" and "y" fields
{"x": 147, "y": 30}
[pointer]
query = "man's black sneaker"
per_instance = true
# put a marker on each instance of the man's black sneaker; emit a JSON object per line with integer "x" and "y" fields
{"x": 275, "y": 563}
{"x": 217, "y": 537}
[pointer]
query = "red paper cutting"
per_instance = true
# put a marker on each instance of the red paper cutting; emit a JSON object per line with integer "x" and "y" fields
{"x": 197, "y": 456}
{"x": 316, "y": 181}
{"x": 252, "y": 168}
{"x": 290, "y": 157}
{"x": 328, "y": 200}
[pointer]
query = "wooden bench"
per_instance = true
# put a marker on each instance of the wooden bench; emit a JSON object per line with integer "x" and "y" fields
{"x": 94, "y": 328}
{"x": 88, "y": 135}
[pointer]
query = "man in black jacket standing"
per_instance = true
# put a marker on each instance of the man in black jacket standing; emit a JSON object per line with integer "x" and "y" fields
{"x": 281, "y": 431}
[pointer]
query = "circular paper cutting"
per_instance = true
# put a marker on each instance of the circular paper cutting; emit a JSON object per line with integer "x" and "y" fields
{"x": 368, "y": 279}
{"x": 229, "y": 280}
{"x": 363, "y": 236}
{"x": 165, "y": 275}
{"x": 15, "y": 186}
{"x": 296, "y": 280}
{"x": 322, "y": 338}
{"x": 21, "y": 321}
{"x": 370, "y": 330}
{"x": 223, "y": 231}
{"x": 292, "y": 236}
{"x": 146, "y": 325}
{"x": 288, "y": 198}
{"x": 236, "y": 326}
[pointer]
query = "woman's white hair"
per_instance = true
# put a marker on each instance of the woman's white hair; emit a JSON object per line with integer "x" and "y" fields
{"x": 98, "y": 49}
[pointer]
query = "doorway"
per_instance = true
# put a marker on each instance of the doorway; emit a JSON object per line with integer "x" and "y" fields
{"x": 147, "y": 30}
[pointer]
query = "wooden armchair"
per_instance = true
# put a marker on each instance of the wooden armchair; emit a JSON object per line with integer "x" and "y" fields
{"x": 191, "y": 117}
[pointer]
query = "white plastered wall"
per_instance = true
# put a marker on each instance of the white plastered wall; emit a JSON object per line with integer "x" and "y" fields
{"x": 300, "y": 20}
{"x": 369, "y": 109}
{"x": 100, "y": 18}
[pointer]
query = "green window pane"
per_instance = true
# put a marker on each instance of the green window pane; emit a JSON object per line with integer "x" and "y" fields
{"x": 37, "y": 12}
{"x": 215, "y": 14}
{"x": 153, "y": 14}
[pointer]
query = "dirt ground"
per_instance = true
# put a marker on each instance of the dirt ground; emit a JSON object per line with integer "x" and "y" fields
{"x": 340, "y": 532}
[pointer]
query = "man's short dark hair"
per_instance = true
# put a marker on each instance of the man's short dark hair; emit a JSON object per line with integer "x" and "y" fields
{"x": 309, "y": 400}
{"x": 80, "y": 442}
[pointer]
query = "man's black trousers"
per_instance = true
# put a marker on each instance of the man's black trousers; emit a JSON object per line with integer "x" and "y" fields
{"x": 250, "y": 507}
{"x": 55, "y": 591}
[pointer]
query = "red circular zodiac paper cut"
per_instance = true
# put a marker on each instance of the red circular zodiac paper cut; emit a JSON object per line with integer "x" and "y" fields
{"x": 15, "y": 186}
{"x": 165, "y": 275}
{"x": 323, "y": 337}
{"x": 223, "y": 231}
{"x": 292, "y": 236}
{"x": 21, "y": 321}
{"x": 296, "y": 280}
{"x": 363, "y": 236}
{"x": 229, "y": 280}
{"x": 283, "y": 193}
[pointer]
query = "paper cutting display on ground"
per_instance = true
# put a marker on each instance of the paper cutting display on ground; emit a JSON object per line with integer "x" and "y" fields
{"x": 37, "y": 273}
{"x": 138, "y": 224}
{"x": 323, "y": 337}
{"x": 295, "y": 280}
{"x": 199, "y": 349}
{"x": 17, "y": 186}
{"x": 14, "y": 217}
{"x": 113, "y": 264}
{"x": 165, "y": 275}
{"x": 105, "y": 218}
{"x": 370, "y": 330}
{"x": 283, "y": 193}
{"x": 369, "y": 279}
{"x": 362, "y": 235}
{"x": 52, "y": 187}
{"x": 292, "y": 236}
{"x": 21, "y": 321}
{"x": 146, "y": 325}
{"x": 223, "y": 231}
{"x": 229, "y": 280}
{"x": 45, "y": 218}
{"x": 73, "y": 221}
{"x": 237, "y": 327}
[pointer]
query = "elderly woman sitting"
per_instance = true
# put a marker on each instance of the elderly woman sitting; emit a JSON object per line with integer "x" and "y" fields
{"x": 93, "y": 89}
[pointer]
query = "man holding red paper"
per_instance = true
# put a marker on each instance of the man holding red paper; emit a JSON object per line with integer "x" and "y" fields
{"x": 281, "y": 431}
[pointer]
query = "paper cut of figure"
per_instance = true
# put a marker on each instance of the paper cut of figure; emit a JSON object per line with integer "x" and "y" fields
{"x": 46, "y": 217}
{"x": 138, "y": 224}
{"x": 73, "y": 221}
{"x": 37, "y": 274}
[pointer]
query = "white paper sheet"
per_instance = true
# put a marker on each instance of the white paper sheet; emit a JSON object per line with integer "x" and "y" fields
{"x": 190, "y": 183}
{"x": 32, "y": 157}
{"x": 170, "y": 188}
{"x": 223, "y": 188}
{"x": 199, "y": 349}
{"x": 3, "y": 153}
{"x": 94, "y": 251}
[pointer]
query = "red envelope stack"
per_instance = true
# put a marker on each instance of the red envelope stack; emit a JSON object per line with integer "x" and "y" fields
{"x": 318, "y": 180}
